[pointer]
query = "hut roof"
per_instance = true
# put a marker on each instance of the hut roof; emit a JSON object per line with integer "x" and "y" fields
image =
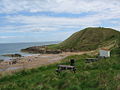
{"x": 105, "y": 49}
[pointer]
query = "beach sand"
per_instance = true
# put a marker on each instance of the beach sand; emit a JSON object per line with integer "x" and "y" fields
{"x": 34, "y": 61}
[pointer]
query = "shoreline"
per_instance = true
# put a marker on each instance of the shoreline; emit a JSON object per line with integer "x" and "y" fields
{"x": 15, "y": 48}
{"x": 34, "y": 61}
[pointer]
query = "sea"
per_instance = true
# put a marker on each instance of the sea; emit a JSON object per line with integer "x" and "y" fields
{"x": 14, "y": 48}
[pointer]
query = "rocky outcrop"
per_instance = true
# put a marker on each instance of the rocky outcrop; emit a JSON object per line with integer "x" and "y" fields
{"x": 12, "y": 55}
{"x": 41, "y": 50}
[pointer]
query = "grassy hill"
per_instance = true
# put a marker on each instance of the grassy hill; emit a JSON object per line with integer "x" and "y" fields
{"x": 101, "y": 75}
{"x": 90, "y": 39}
{"x": 84, "y": 40}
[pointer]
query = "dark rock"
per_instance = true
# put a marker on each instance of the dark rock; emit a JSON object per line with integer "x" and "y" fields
{"x": 41, "y": 50}
{"x": 1, "y": 60}
{"x": 13, "y": 55}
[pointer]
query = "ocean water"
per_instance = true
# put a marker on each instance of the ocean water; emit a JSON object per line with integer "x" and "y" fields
{"x": 12, "y": 48}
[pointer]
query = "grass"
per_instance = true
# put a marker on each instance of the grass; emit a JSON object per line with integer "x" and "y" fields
{"x": 90, "y": 39}
{"x": 83, "y": 40}
{"x": 101, "y": 75}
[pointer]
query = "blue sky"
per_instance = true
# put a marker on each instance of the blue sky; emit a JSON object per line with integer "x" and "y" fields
{"x": 54, "y": 20}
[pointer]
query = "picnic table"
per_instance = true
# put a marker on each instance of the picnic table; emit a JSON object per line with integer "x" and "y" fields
{"x": 65, "y": 67}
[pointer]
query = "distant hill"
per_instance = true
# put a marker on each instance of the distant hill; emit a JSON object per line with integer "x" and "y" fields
{"x": 90, "y": 39}
{"x": 87, "y": 39}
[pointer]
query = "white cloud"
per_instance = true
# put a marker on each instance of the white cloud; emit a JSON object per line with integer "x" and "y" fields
{"x": 104, "y": 10}
{"x": 5, "y": 37}
{"x": 43, "y": 23}
{"x": 59, "y": 6}
{"x": 53, "y": 21}
{"x": 27, "y": 28}
{"x": 94, "y": 13}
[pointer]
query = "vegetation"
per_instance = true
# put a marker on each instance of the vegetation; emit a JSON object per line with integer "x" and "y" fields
{"x": 91, "y": 39}
{"x": 84, "y": 40}
{"x": 101, "y": 75}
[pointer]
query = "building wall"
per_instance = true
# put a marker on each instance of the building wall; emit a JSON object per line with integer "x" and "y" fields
{"x": 104, "y": 53}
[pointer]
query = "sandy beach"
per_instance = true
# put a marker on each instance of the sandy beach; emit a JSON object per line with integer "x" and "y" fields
{"x": 34, "y": 61}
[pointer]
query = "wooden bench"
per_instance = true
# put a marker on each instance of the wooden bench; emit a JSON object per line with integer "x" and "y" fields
{"x": 65, "y": 67}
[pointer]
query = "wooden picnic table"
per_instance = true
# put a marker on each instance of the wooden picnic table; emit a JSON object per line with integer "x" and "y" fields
{"x": 65, "y": 67}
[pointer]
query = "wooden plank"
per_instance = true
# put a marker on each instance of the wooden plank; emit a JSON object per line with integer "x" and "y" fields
{"x": 68, "y": 66}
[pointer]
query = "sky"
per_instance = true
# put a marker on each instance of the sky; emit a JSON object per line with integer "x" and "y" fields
{"x": 54, "y": 20}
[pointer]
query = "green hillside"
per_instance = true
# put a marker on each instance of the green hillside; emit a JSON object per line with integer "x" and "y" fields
{"x": 90, "y": 39}
{"x": 84, "y": 40}
{"x": 101, "y": 75}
